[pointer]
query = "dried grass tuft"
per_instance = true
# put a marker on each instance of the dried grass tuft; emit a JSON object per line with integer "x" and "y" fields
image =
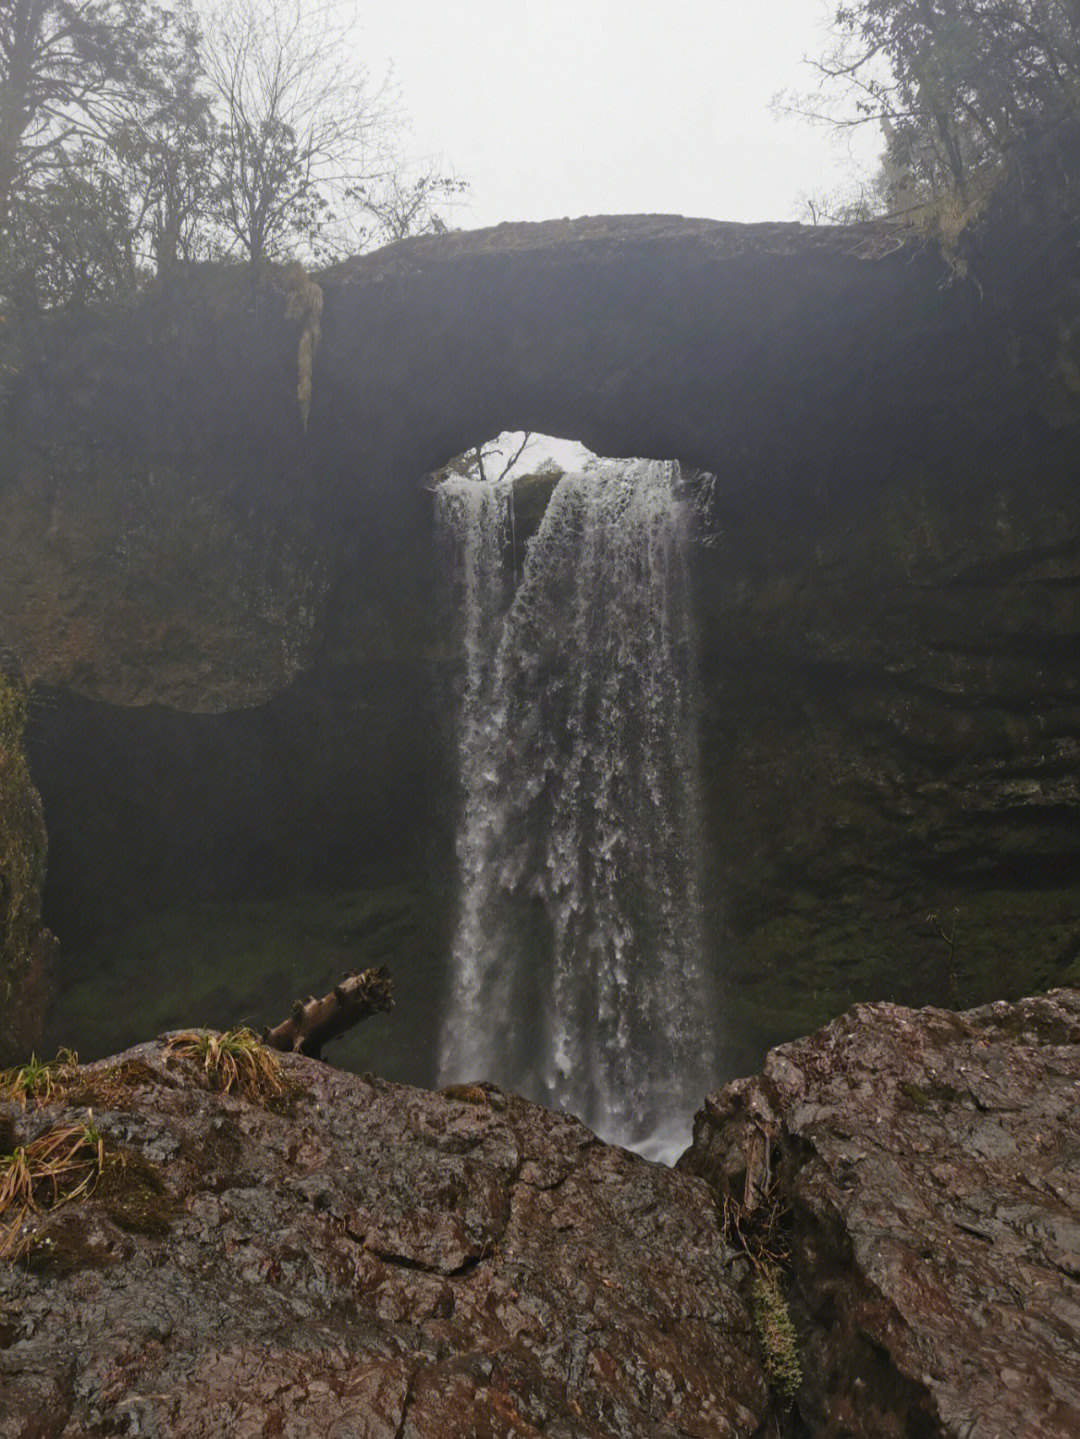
{"x": 236, "y": 1059}
{"x": 38, "y": 1079}
{"x": 59, "y": 1166}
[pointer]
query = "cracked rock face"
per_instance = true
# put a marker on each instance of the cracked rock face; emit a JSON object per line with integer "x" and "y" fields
{"x": 380, "y": 1261}
{"x": 931, "y": 1165}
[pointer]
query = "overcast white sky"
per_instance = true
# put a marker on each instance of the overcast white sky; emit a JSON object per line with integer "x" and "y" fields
{"x": 586, "y": 107}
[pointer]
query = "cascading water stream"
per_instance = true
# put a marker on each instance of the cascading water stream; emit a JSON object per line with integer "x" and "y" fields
{"x": 578, "y": 974}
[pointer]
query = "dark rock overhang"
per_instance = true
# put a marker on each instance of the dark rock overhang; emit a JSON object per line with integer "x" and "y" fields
{"x": 641, "y": 334}
{"x": 157, "y": 452}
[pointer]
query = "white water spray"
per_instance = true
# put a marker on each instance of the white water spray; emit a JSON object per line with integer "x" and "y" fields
{"x": 578, "y": 974}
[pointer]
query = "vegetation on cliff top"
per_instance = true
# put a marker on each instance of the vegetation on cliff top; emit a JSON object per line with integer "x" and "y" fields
{"x": 979, "y": 105}
{"x": 974, "y": 97}
{"x": 135, "y": 136}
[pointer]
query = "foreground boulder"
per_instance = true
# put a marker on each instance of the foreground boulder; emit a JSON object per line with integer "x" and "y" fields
{"x": 926, "y": 1166}
{"x": 362, "y": 1260}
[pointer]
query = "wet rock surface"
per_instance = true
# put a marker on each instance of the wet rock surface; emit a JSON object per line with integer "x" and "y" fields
{"x": 929, "y": 1166}
{"x": 371, "y": 1261}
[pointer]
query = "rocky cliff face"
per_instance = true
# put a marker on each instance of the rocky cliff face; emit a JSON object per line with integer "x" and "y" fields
{"x": 894, "y": 721}
{"x": 172, "y": 534}
{"x": 925, "y": 1168}
{"x": 242, "y": 657}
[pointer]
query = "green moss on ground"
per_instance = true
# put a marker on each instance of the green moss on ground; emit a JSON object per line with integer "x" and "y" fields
{"x": 130, "y": 1191}
{"x": 220, "y": 965}
{"x": 133, "y": 1193}
{"x": 64, "y": 1247}
{"x": 808, "y": 962}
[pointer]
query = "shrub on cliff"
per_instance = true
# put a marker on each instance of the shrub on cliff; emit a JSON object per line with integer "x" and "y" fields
{"x": 25, "y": 945}
{"x": 978, "y": 101}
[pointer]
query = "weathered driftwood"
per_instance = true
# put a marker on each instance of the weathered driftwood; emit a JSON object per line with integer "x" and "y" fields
{"x": 310, "y": 1025}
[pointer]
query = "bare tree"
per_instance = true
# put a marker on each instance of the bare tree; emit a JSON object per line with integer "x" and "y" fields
{"x": 132, "y": 137}
{"x": 301, "y": 125}
{"x": 410, "y": 200}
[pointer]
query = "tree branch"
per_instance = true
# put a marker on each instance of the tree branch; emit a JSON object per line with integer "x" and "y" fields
{"x": 311, "y": 1025}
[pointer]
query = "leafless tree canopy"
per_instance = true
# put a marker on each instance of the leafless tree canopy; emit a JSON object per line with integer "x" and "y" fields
{"x": 302, "y": 125}
{"x": 135, "y": 135}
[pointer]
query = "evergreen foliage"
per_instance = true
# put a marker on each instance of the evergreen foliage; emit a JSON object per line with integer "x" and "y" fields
{"x": 975, "y": 98}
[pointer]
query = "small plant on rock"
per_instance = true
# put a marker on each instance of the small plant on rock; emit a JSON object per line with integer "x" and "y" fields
{"x": 38, "y": 1078}
{"x": 59, "y": 1166}
{"x": 760, "y": 1230}
{"x": 776, "y": 1333}
{"x": 237, "y": 1058}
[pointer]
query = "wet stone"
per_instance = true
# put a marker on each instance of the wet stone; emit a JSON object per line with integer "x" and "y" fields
{"x": 931, "y": 1196}
{"x": 385, "y": 1261}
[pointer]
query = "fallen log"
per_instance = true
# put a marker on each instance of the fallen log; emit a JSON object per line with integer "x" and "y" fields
{"x": 310, "y": 1025}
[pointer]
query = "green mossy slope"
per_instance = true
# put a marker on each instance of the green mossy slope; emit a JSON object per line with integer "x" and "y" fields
{"x": 220, "y": 965}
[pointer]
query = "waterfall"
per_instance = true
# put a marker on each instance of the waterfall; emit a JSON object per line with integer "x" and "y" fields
{"x": 578, "y": 976}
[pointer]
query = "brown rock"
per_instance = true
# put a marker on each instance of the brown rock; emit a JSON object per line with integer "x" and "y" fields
{"x": 381, "y": 1262}
{"x": 931, "y": 1162}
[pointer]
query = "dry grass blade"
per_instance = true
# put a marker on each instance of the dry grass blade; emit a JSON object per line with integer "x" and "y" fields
{"x": 16, "y": 1193}
{"x": 16, "y": 1182}
{"x": 38, "y": 1078}
{"x": 761, "y": 1233}
{"x": 63, "y": 1164}
{"x": 69, "y": 1158}
{"x": 11, "y": 1238}
{"x": 235, "y": 1058}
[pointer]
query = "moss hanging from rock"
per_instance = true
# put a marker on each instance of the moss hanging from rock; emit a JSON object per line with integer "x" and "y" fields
{"x": 25, "y": 945}
{"x": 776, "y": 1334}
{"x": 305, "y": 302}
